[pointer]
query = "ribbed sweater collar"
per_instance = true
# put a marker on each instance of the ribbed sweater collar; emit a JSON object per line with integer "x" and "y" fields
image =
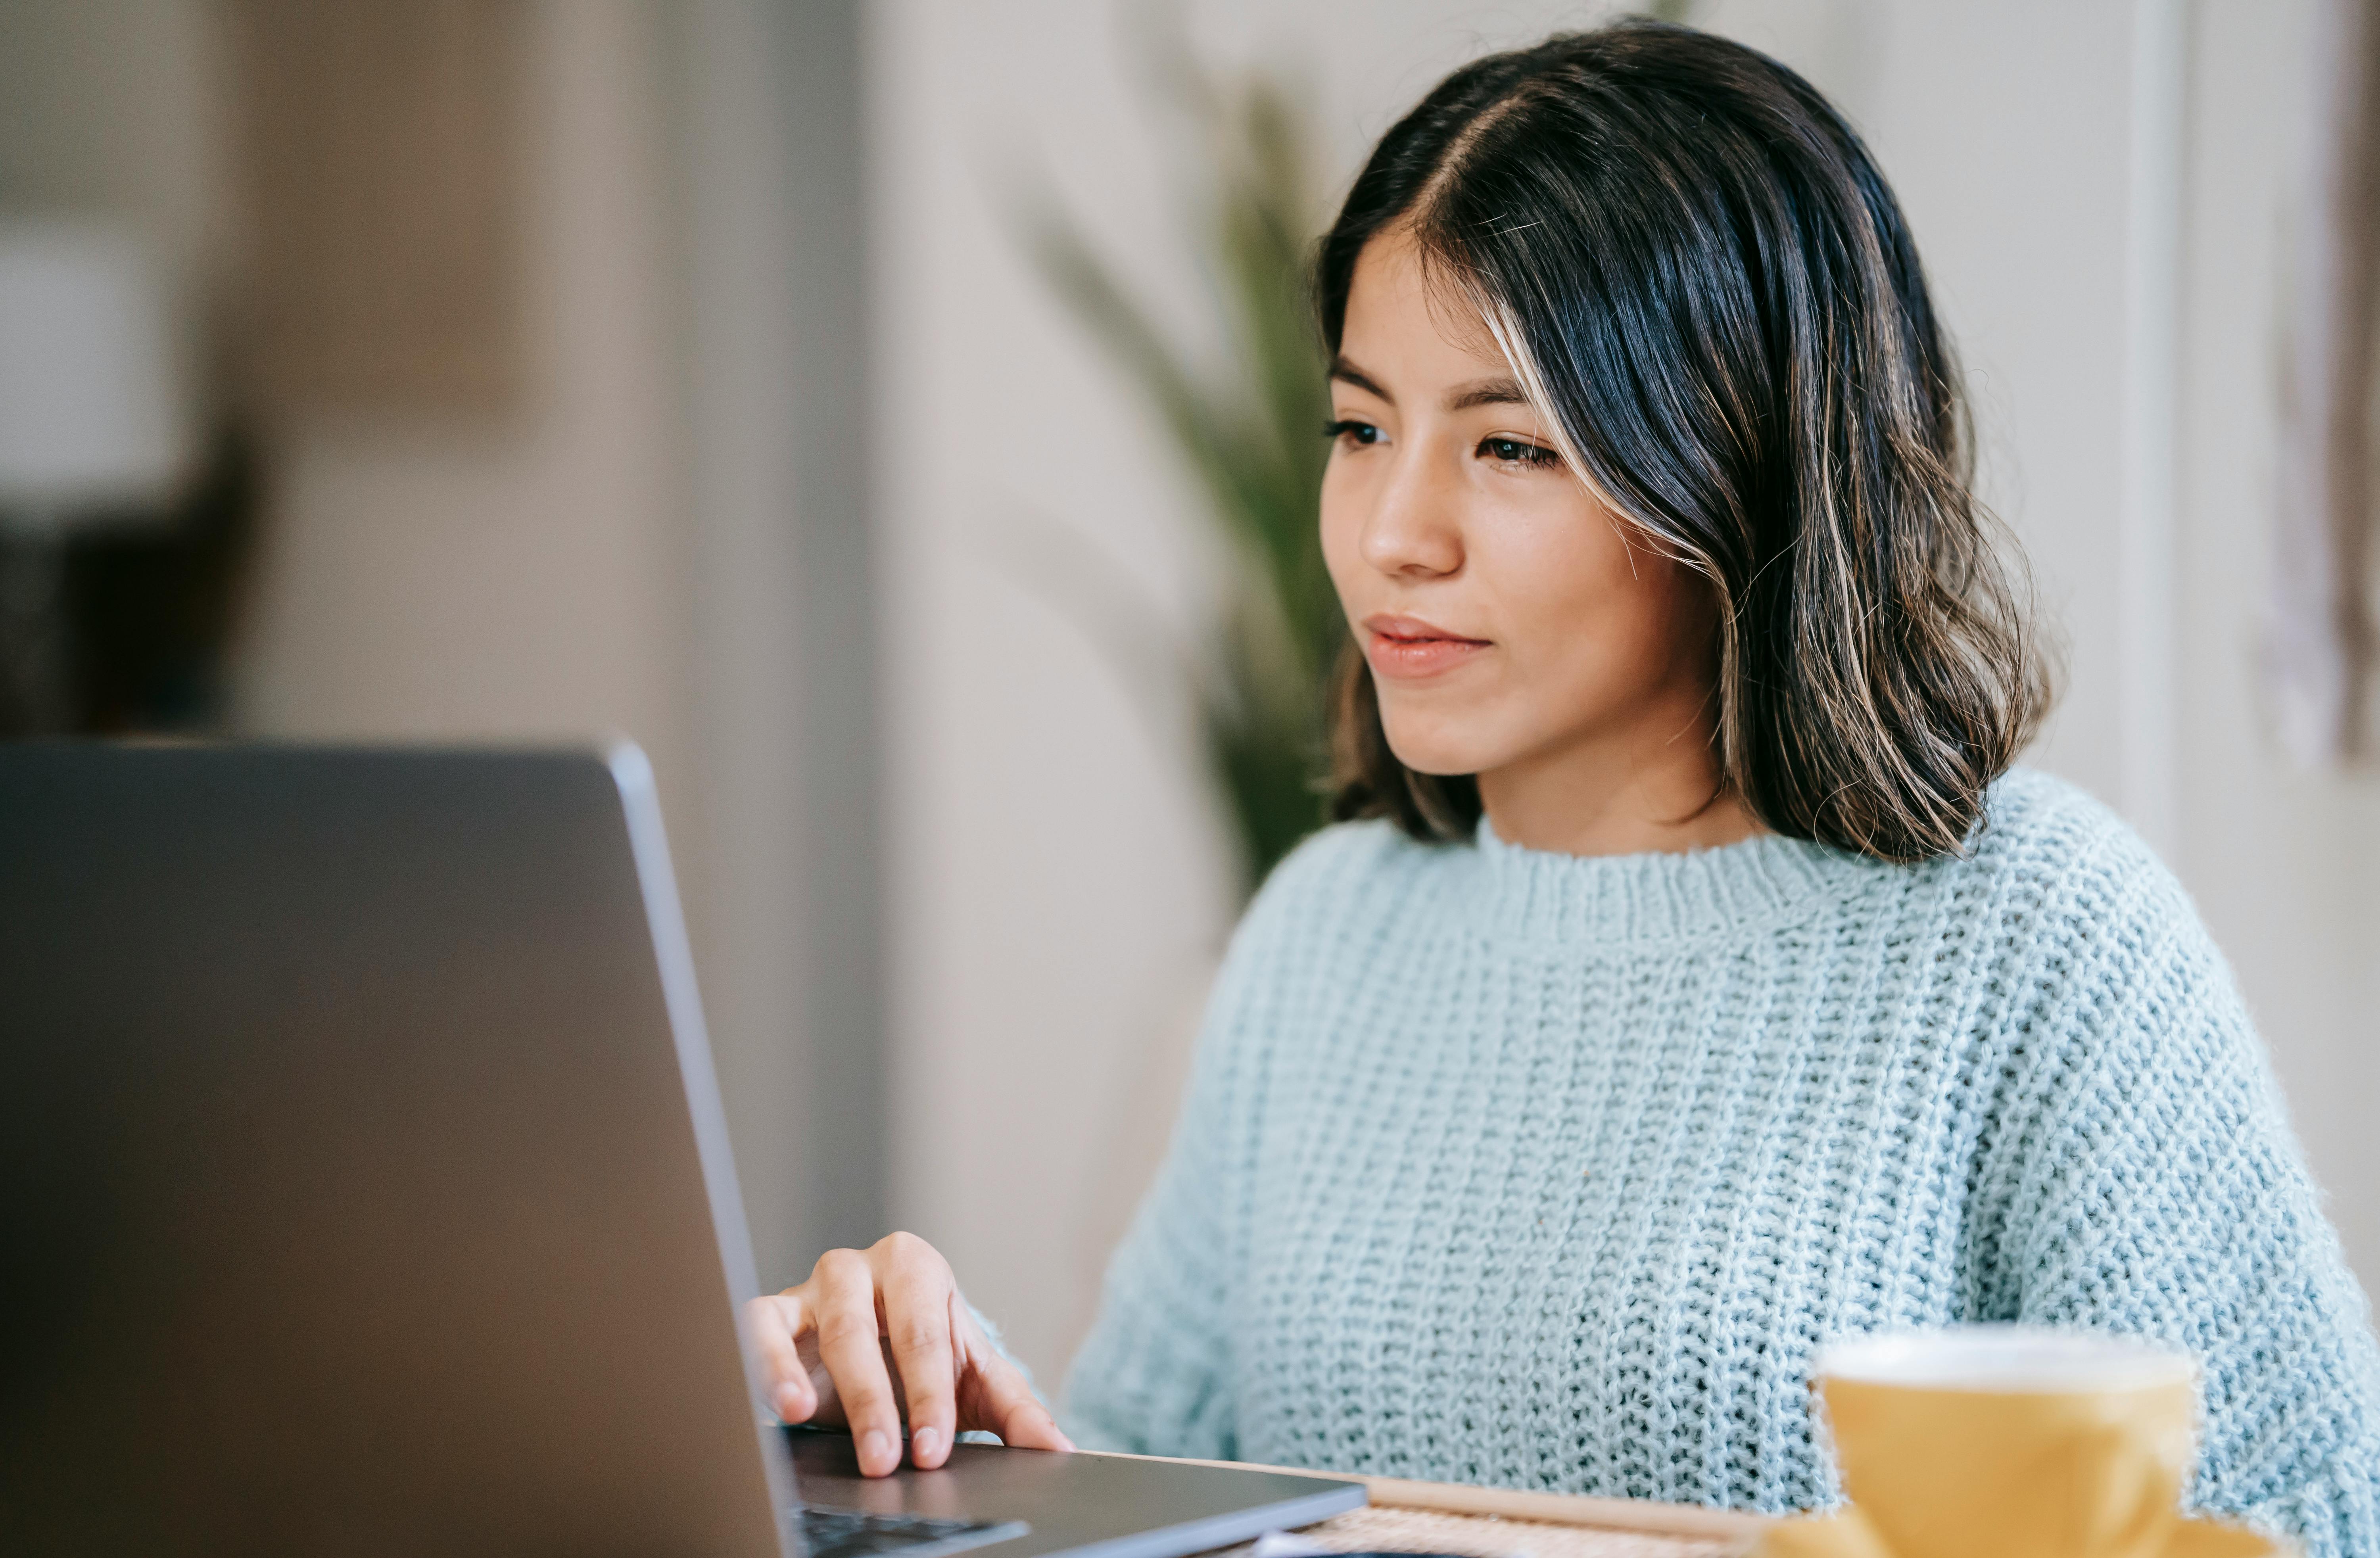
{"x": 1534, "y": 894}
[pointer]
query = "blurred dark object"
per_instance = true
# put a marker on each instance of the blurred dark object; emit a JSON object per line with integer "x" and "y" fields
{"x": 120, "y": 626}
{"x": 2322, "y": 646}
{"x": 153, "y": 609}
{"x": 381, "y": 159}
{"x": 35, "y": 641}
{"x": 93, "y": 435}
{"x": 1250, "y": 432}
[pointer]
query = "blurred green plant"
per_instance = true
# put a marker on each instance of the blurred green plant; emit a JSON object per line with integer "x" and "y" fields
{"x": 1250, "y": 430}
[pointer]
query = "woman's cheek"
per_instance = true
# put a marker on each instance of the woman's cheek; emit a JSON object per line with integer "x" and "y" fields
{"x": 1341, "y": 528}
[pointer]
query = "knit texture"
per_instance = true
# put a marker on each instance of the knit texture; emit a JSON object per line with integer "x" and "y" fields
{"x": 1513, "y": 1168}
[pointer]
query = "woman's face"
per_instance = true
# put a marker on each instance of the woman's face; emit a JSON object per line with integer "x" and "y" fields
{"x": 1508, "y": 621}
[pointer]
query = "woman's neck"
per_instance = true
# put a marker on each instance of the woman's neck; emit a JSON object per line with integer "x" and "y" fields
{"x": 1618, "y": 795}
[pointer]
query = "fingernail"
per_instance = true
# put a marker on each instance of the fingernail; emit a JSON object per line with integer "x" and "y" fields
{"x": 874, "y": 1447}
{"x": 788, "y": 1404}
{"x": 923, "y": 1443}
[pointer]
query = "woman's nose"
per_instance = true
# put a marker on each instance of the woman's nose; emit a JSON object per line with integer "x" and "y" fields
{"x": 1415, "y": 531}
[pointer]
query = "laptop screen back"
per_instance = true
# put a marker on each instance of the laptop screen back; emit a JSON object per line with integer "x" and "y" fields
{"x": 350, "y": 1192}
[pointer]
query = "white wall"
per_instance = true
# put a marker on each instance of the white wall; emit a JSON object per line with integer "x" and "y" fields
{"x": 772, "y": 227}
{"x": 732, "y": 217}
{"x": 1058, "y": 891}
{"x": 2285, "y": 864}
{"x": 1057, "y": 881}
{"x": 521, "y": 576}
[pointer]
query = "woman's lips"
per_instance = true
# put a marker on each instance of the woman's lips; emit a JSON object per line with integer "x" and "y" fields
{"x": 1409, "y": 648}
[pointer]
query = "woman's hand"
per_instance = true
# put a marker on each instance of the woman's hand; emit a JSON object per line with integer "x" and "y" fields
{"x": 881, "y": 1336}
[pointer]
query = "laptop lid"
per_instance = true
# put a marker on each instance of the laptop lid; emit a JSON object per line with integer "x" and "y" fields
{"x": 356, "y": 1129}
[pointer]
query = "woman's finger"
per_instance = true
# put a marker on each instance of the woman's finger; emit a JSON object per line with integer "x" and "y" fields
{"x": 772, "y": 1324}
{"x": 1016, "y": 1412}
{"x": 843, "y": 1290}
{"x": 916, "y": 1287}
{"x": 995, "y": 1393}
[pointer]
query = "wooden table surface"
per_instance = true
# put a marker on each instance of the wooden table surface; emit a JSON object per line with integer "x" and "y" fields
{"x": 1496, "y": 1522}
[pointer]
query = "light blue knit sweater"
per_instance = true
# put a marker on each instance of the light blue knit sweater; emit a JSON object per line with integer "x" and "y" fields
{"x": 1513, "y": 1168}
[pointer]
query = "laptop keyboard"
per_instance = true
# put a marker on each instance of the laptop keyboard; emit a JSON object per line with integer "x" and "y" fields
{"x": 848, "y": 1533}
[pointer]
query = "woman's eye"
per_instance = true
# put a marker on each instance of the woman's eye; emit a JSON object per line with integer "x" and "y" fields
{"x": 1351, "y": 430}
{"x": 1516, "y": 451}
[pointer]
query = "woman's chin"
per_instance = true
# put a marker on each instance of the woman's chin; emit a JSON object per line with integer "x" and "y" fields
{"x": 1434, "y": 754}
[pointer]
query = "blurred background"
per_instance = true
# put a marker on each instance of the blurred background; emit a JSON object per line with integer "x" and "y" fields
{"x": 891, "y": 415}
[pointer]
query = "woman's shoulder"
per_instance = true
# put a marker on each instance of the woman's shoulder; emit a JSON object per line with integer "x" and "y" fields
{"x": 2026, "y": 807}
{"x": 2053, "y": 840}
{"x": 2080, "y": 899}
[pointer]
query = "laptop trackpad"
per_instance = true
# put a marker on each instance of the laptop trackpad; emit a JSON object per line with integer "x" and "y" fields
{"x": 1081, "y": 1506}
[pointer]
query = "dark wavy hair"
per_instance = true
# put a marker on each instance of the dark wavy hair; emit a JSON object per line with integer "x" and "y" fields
{"x": 1706, "y": 287}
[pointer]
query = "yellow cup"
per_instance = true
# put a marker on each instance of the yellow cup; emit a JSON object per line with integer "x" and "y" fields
{"x": 1981, "y": 1442}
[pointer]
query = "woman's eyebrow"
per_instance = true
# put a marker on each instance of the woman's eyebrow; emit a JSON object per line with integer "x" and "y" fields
{"x": 1487, "y": 392}
{"x": 1347, "y": 372}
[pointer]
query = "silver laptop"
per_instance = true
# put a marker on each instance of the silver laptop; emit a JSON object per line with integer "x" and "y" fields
{"x": 364, "y": 1189}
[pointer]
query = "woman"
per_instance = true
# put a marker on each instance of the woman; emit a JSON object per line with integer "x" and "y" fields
{"x": 1688, "y": 982}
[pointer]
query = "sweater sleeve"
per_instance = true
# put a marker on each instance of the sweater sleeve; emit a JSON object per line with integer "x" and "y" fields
{"x": 1152, "y": 1378}
{"x": 2165, "y": 1195}
{"x": 1155, "y": 1376}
